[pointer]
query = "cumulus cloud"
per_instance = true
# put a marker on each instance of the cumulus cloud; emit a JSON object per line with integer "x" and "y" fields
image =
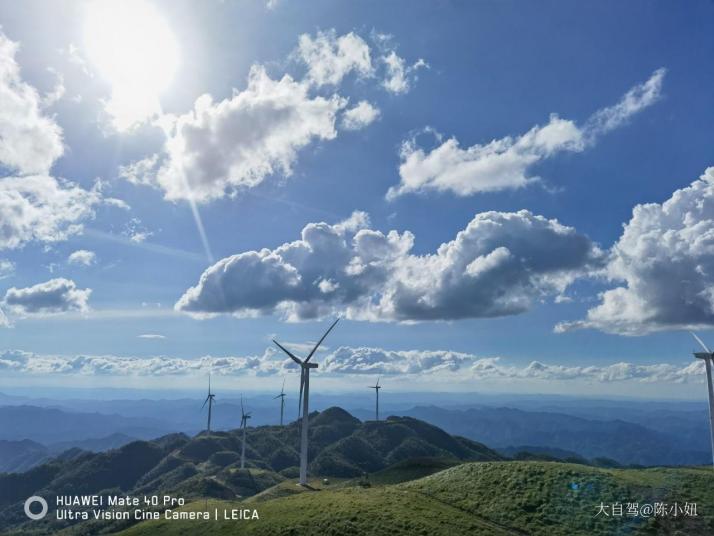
{"x": 82, "y": 257}
{"x": 347, "y": 361}
{"x": 365, "y": 360}
{"x": 665, "y": 260}
{"x": 220, "y": 147}
{"x": 499, "y": 265}
{"x": 29, "y": 141}
{"x": 33, "y": 204}
{"x": 42, "y": 208}
{"x": 505, "y": 163}
{"x": 359, "y": 116}
{"x": 329, "y": 57}
{"x": 110, "y": 365}
{"x": 51, "y": 297}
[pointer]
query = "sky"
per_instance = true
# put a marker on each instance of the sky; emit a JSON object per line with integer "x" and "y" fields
{"x": 514, "y": 197}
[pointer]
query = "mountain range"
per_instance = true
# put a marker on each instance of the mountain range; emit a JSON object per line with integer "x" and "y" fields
{"x": 399, "y": 476}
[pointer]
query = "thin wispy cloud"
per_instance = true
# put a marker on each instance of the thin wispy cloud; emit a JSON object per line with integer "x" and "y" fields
{"x": 505, "y": 163}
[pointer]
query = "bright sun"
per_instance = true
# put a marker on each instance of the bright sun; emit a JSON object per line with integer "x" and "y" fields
{"x": 135, "y": 51}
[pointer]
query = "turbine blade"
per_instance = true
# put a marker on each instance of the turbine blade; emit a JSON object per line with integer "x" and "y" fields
{"x": 707, "y": 350}
{"x": 378, "y": 377}
{"x": 322, "y": 339}
{"x": 282, "y": 389}
{"x": 275, "y": 397}
{"x": 296, "y": 359}
{"x": 205, "y": 402}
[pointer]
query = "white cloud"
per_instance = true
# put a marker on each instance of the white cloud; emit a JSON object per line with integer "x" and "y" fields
{"x": 151, "y": 336}
{"x": 499, "y": 265}
{"x": 352, "y": 362}
{"x": 220, "y": 148}
{"x": 42, "y": 208}
{"x": 665, "y": 258}
{"x": 238, "y": 142}
{"x": 491, "y": 368}
{"x": 399, "y": 76}
{"x": 135, "y": 231}
{"x": 110, "y": 365}
{"x": 82, "y": 257}
{"x": 7, "y": 268}
{"x": 54, "y": 296}
{"x": 329, "y": 57}
{"x": 359, "y": 116}
{"x": 33, "y": 204}
{"x": 30, "y": 142}
{"x": 505, "y": 163}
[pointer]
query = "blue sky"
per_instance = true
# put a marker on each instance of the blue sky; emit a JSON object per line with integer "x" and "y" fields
{"x": 442, "y": 81}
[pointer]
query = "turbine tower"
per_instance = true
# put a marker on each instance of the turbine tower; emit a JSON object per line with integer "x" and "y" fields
{"x": 305, "y": 367}
{"x": 281, "y": 396}
{"x": 209, "y": 400}
{"x": 376, "y": 388}
{"x": 708, "y": 356}
{"x": 243, "y": 424}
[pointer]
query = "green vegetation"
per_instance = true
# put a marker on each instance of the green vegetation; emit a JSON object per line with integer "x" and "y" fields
{"x": 400, "y": 476}
{"x": 546, "y": 498}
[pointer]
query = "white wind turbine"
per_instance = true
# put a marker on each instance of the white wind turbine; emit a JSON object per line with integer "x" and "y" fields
{"x": 708, "y": 356}
{"x": 305, "y": 367}
{"x": 243, "y": 424}
{"x": 281, "y": 396}
{"x": 376, "y": 388}
{"x": 209, "y": 400}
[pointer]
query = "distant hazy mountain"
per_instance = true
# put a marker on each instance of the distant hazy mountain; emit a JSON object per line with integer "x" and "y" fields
{"x": 50, "y": 425}
{"x": 18, "y": 456}
{"x": 626, "y": 442}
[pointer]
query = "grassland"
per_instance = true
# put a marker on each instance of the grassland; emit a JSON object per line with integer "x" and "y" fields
{"x": 489, "y": 498}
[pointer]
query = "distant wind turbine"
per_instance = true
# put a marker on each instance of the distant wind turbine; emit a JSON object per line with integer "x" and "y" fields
{"x": 281, "y": 396}
{"x": 243, "y": 424}
{"x": 376, "y": 388}
{"x": 305, "y": 367}
{"x": 209, "y": 400}
{"x": 708, "y": 356}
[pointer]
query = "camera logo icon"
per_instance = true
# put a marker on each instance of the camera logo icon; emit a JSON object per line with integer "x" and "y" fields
{"x": 43, "y": 507}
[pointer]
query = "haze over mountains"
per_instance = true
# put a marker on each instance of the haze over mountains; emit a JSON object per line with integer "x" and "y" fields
{"x": 628, "y": 431}
{"x": 370, "y": 471}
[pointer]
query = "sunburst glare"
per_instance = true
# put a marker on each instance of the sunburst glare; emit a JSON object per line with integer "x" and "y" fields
{"x": 136, "y": 52}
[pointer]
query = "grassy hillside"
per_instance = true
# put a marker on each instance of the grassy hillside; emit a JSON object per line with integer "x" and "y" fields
{"x": 535, "y": 498}
{"x": 208, "y": 465}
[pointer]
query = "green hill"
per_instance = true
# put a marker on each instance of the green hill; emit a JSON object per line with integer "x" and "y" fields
{"x": 491, "y": 498}
{"x": 208, "y": 465}
{"x": 400, "y": 476}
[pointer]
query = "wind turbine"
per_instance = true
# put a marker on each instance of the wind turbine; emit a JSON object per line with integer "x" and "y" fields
{"x": 281, "y": 396}
{"x": 305, "y": 367}
{"x": 243, "y": 424}
{"x": 376, "y": 388}
{"x": 708, "y": 356}
{"x": 209, "y": 400}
